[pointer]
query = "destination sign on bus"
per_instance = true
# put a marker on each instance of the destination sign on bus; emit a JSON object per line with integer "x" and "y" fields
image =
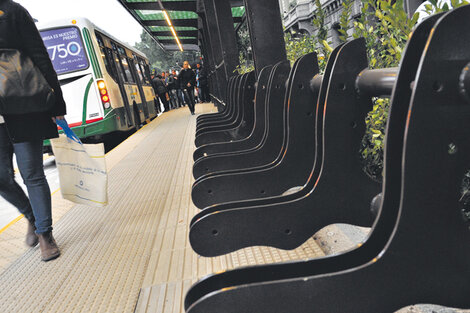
{"x": 65, "y": 49}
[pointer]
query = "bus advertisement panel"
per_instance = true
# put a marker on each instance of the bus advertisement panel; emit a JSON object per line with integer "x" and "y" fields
{"x": 66, "y": 50}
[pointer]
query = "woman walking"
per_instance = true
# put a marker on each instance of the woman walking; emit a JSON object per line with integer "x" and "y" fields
{"x": 23, "y": 134}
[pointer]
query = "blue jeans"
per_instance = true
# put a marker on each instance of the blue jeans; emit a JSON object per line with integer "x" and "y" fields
{"x": 37, "y": 208}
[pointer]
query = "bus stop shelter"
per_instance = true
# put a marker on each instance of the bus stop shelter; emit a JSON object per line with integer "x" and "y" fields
{"x": 210, "y": 25}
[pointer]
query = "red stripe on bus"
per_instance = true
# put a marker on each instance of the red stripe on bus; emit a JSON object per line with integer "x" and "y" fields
{"x": 71, "y": 125}
{"x": 94, "y": 120}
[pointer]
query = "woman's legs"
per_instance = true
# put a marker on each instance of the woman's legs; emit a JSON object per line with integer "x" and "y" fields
{"x": 9, "y": 189}
{"x": 30, "y": 163}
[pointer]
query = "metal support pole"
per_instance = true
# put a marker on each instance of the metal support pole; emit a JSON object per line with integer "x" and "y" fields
{"x": 223, "y": 14}
{"x": 213, "y": 31}
{"x": 212, "y": 38}
{"x": 209, "y": 58}
{"x": 266, "y": 33}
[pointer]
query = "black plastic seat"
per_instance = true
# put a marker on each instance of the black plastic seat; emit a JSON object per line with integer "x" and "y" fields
{"x": 241, "y": 126}
{"x": 341, "y": 193}
{"x": 226, "y": 108}
{"x": 257, "y": 133}
{"x": 234, "y": 113}
{"x": 294, "y": 161}
{"x": 318, "y": 156}
{"x": 245, "y": 157}
{"x": 418, "y": 250}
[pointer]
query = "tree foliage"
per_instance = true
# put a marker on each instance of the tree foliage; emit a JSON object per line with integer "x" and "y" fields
{"x": 386, "y": 28}
{"x": 344, "y": 20}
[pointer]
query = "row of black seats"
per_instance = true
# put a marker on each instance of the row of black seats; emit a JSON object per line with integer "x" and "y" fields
{"x": 276, "y": 171}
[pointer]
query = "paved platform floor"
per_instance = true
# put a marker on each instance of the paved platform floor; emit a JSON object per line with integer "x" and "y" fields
{"x": 134, "y": 255}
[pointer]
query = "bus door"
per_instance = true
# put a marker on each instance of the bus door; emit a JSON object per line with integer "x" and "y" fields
{"x": 135, "y": 70}
{"x": 116, "y": 67}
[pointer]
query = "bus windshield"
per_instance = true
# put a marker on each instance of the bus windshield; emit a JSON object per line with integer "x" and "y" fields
{"x": 66, "y": 50}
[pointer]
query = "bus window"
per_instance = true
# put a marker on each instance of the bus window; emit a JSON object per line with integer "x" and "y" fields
{"x": 109, "y": 61}
{"x": 140, "y": 78}
{"x": 118, "y": 63}
{"x": 143, "y": 70}
{"x": 127, "y": 70}
{"x": 125, "y": 65}
{"x": 147, "y": 73}
{"x": 120, "y": 69}
{"x": 107, "y": 57}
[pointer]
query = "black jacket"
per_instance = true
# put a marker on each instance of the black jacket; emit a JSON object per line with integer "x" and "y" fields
{"x": 187, "y": 76}
{"x": 159, "y": 86}
{"x": 171, "y": 82}
{"x": 202, "y": 76}
{"x": 18, "y": 31}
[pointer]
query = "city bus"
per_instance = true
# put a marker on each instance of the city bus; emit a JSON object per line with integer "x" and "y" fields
{"x": 106, "y": 83}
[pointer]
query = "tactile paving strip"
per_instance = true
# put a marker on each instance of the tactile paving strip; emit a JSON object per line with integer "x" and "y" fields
{"x": 105, "y": 252}
{"x": 139, "y": 240}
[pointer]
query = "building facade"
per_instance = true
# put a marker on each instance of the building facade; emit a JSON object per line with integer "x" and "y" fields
{"x": 298, "y": 16}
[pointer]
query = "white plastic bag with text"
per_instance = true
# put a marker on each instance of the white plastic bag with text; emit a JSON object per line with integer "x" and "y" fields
{"x": 82, "y": 171}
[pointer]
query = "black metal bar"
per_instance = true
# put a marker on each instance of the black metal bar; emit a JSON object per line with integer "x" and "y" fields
{"x": 183, "y": 41}
{"x": 266, "y": 33}
{"x": 192, "y": 22}
{"x": 220, "y": 65}
{"x": 315, "y": 83}
{"x": 241, "y": 23}
{"x": 216, "y": 42}
{"x": 374, "y": 83}
{"x": 223, "y": 14}
{"x": 209, "y": 57}
{"x": 212, "y": 37}
{"x": 236, "y": 3}
{"x": 210, "y": 50}
{"x": 181, "y": 33}
{"x": 175, "y": 47}
{"x": 378, "y": 82}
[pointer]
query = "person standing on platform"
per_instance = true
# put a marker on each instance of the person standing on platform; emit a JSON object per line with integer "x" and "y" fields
{"x": 160, "y": 89}
{"x": 172, "y": 91}
{"x": 158, "y": 108}
{"x": 202, "y": 83}
{"x": 23, "y": 134}
{"x": 187, "y": 79}
{"x": 179, "y": 91}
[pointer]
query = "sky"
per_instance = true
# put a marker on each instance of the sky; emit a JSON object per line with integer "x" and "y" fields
{"x": 108, "y": 15}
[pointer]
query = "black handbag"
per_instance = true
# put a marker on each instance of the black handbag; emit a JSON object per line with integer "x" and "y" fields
{"x": 23, "y": 88}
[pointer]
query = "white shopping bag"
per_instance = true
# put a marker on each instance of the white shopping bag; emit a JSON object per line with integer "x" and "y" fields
{"x": 82, "y": 170}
